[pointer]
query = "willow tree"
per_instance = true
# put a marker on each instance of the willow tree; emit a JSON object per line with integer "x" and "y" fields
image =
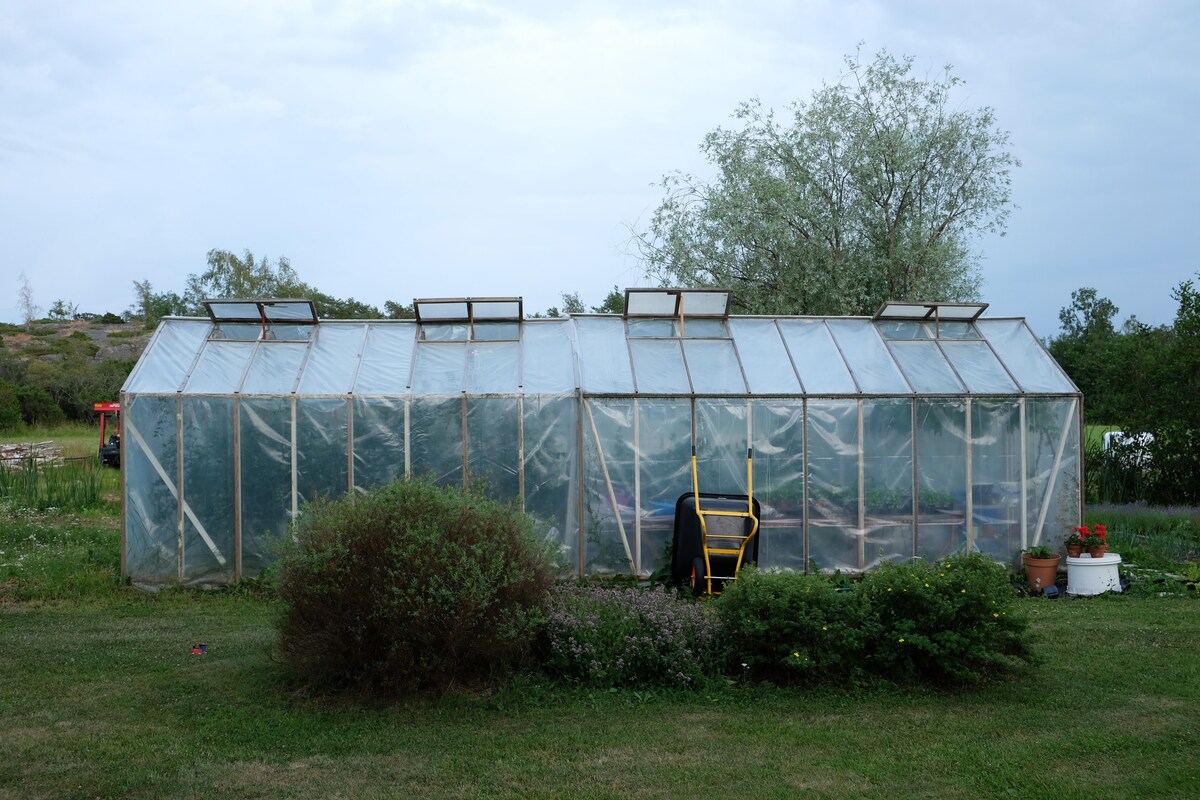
{"x": 874, "y": 190}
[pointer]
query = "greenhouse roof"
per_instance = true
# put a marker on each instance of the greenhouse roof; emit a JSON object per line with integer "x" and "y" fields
{"x": 484, "y": 347}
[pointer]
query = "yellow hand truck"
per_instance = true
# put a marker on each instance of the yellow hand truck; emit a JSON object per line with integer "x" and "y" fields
{"x": 725, "y": 540}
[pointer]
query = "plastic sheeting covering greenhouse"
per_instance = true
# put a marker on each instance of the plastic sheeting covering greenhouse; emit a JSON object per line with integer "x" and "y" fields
{"x": 923, "y": 431}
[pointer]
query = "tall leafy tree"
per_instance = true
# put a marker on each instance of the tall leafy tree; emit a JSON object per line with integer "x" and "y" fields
{"x": 245, "y": 276}
{"x": 152, "y": 306}
{"x": 1087, "y": 349}
{"x": 1175, "y": 476}
{"x": 396, "y": 310}
{"x": 873, "y": 190}
{"x": 229, "y": 275}
{"x": 1143, "y": 379}
{"x": 613, "y": 303}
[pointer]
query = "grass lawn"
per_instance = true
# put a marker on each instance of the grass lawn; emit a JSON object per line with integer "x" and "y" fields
{"x": 77, "y": 438}
{"x": 101, "y": 697}
{"x": 104, "y": 699}
{"x": 1093, "y": 435}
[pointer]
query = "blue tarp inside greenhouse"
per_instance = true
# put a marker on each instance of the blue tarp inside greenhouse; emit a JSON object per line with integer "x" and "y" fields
{"x": 922, "y": 431}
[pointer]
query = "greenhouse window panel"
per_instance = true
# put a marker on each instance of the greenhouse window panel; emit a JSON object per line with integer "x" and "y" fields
{"x": 261, "y": 310}
{"x": 926, "y": 367}
{"x": 468, "y": 309}
{"x": 261, "y": 320}
{"x": 929, "y": 311}
{"x": 764, "y": 357}
{"x": 166, "y": 361}
{"x": 220, "y": 368}
{"x": 818, "y": 360}
{"x": 386, "y": 361}
{"x": 659, "y": 368}
{"x": 979, "y": 369}
{"x": 677, "y": 302}
{"x": 1025, "y": 357}
{"x": 273, "y": 370}
{"x": 491, "y": 319}
{"x": 870, "y": 363}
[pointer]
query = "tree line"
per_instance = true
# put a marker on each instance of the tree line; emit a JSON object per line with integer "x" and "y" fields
{"x": 1140, "y": 378}
{"x": 58, "y": 378}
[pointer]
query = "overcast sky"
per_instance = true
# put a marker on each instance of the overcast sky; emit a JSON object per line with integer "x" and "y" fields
{"x": 395, "y": 149}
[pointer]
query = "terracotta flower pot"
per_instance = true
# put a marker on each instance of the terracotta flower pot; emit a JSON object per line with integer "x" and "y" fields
{"x": 1074, "y": 550}
{"x": 1098, "y": 551}
{"x": 1040, "y": 572}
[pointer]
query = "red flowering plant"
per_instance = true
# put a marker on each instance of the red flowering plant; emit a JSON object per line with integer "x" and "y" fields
{"x": 1096, "y": 536}
{"x": 1075, "y": 538}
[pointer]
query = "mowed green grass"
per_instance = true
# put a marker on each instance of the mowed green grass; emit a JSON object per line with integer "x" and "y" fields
{"x": 101, "y": 697}
{"x": 104, "y": 699}
{"x": 1093, "y": 435}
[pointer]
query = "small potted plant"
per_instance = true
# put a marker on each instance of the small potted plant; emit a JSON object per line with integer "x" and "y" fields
{"x": 1075, "y": 542}
{"x": 1096, "y": 541}
{"x": 1041, "y": 567}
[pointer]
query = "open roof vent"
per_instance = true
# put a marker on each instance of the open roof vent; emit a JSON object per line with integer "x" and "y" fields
{"x": 262, "y": 319}
{"x": 468, "y": 309}
{"x": 264, "y": 310}
{"x": 939, "y": 312}
{"x": 677, "y": 303}
{"x": 458, "y": 319}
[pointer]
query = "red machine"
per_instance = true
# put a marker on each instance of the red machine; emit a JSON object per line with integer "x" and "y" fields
{"x": 110, "y": 449}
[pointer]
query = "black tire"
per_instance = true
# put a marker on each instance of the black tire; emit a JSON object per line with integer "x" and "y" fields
{"x": 699, "y": 584}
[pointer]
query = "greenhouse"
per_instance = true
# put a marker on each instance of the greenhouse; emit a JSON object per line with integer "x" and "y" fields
{"x": 925, "y": 430}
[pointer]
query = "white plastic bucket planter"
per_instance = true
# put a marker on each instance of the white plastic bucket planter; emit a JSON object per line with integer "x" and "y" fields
{"x": 1090, "y": 576}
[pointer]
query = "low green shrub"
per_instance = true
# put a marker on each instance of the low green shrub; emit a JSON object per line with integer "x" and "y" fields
{"x": 949, "y": 622}
{"x": 10, "y": 407}
{"x": 411, "y": 588}
{"x": 611, "y": 636}
{"x": 38, "y": 406}
{"x": 792, "y": 628}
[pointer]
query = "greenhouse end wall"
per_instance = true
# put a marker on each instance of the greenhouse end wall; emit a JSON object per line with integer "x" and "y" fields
{"x": 867, "y": 446}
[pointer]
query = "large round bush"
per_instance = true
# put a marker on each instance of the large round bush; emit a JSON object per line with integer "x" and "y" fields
{"x": 410, "y": 588}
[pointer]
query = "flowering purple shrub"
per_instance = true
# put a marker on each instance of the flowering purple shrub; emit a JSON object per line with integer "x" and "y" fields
{"x": 608, "y": 636}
